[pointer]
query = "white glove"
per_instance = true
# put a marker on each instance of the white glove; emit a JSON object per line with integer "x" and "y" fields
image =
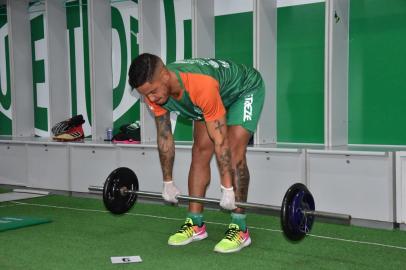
{"x": 228, "y": 198}
{"x": 170, "y": 192}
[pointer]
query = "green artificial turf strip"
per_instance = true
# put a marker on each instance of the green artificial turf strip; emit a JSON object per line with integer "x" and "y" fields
{"x": 87, "y": 239}
{"x": 4, "y": 190}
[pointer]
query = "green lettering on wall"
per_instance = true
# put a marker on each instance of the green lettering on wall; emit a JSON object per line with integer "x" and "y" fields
{"x": 38, "y": 69}
{"x": 72, "y": 21}
{"x": 118, "y": 24}
{"x": 5, "y": 94}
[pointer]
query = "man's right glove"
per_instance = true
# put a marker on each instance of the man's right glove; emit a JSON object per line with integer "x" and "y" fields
{"x": 228, "y": 198}
{"x": 170, "y": 192}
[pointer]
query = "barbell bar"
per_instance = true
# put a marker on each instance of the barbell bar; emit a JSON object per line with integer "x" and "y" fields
{"x": 120, "y": 193}
{"x": 157, "y": 195}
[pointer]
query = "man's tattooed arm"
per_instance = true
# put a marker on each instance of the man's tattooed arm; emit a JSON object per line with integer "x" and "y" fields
{"x": 217, "y": 131}
{"x": 166, "y": 146}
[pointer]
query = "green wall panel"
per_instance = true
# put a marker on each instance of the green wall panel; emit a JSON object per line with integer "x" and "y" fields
{"x": 233, "y": 34}
{"x": 5, "y": 91}
{"x": 170, "y": 23}
{"x": 183, "y": 128}
{"x": 300, "y": 74}
{"x": 187, "y": 27}
{"x": 377, "y": 78}
{"x": 234, "y": 37}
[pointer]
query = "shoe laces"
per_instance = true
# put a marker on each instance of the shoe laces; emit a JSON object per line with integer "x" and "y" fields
{"x": 186, "y": 228}
{"x": 232, "y": 233}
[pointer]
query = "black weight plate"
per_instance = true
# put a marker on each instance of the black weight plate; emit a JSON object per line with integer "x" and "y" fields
{"x": 114, "y": 200}
{"x": 295, "y": 224}
{"x": 302, "y": 201}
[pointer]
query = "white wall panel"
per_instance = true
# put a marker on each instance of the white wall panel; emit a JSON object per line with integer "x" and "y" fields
{"x": 224, "y": 7}
{"x": 401, "y": 188}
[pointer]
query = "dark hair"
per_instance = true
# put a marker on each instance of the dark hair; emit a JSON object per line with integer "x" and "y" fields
{"x": 142, "y": 69}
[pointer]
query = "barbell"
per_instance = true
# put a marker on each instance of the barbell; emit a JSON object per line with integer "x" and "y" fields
{"x": 121, "y": 190}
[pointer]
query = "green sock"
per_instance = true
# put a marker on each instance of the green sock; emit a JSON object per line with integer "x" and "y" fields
{"x": 239, "y": 219}
{"x": 197, "y": 218}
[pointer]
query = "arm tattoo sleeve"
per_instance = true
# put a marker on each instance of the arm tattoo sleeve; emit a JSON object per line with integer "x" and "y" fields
{"x": 218, "y": 133}
{"x": 224, "y": 162}
{"x": 166, "y": 146}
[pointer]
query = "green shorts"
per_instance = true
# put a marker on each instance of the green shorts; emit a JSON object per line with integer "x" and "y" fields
{"x": 247, "y": 109}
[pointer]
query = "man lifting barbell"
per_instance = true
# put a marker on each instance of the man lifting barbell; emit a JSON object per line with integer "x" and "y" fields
{"x": 225, "y": 100}
{"x": 121, "y": 190}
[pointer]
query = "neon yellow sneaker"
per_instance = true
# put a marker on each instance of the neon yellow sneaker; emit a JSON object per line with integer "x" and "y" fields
{"x": 234, "y": 241}
{"x": 187, "y": 234}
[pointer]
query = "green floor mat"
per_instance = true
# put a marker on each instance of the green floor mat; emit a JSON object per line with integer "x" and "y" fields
{"x": 12, "y": 223}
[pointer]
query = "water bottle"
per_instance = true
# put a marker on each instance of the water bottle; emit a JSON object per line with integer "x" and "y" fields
{"x": 109, "y": 134}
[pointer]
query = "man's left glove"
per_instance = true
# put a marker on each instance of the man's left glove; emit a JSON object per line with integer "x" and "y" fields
{"x": 170, "y": 192}
{"x": 228, "y": 198}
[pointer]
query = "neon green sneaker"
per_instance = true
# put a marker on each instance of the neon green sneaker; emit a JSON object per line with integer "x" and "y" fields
{"x": 187, "y": 234}
{"x": 234, "y": 241}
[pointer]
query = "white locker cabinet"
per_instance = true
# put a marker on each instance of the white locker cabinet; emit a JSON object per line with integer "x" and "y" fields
{"x": 13, "y": 164}
{"x": 357, "y": 184}
{"x": 48, "y": 166}
{"x": 90, "y": 165}
{"x": 272, "y": 173}
{"x": 144, "y": 161}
